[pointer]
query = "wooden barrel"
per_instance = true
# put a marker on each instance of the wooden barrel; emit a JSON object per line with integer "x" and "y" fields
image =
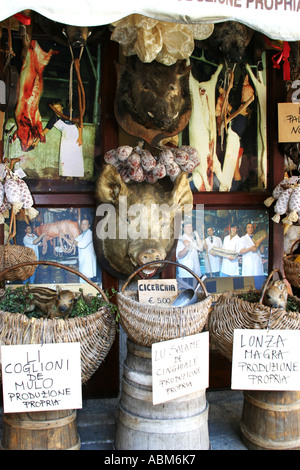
{"x": 271, "y": 420}
{"x": 175, "y": 425}
{"x": 41, "y": 430}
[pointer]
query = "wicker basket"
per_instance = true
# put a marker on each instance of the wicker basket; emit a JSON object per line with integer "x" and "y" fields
{"x": 11, "y": 255}
{"x": 292, "y": 268}
{"x": 232, "y": 312}
{"x": 95, "y": 332}
{"x": 146, "y": 324}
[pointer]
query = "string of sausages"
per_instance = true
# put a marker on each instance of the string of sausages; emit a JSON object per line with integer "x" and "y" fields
{"x": 138, "y": 164}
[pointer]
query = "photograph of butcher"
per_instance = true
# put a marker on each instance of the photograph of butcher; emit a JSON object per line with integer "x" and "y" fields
{"x": 62, "y": 235}
{"x": 70, "y": 154}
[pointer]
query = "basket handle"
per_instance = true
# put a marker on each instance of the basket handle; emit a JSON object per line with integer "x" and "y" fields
{"x": 268, "y": 281}
{"x": 168, "y": 262}
{"x": 59, "y": 265}
{"x": 293, "y": 245}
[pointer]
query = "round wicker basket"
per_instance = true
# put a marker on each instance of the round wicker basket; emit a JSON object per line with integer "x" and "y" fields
{"x": 292, "y": 268}
{"x": 232, "y": 312}
{"x": 95, "y": 332}
{"x": 146, "y": 324}
{"x": 12, "y": 254}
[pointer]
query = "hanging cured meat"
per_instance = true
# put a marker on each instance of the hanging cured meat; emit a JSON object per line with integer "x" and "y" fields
{"x": 27, "y": 114}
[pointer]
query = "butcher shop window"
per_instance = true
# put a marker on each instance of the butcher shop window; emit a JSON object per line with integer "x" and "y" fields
{"x": 228, "y": 124}
{"x": 221, "y": 249}
{"x": 64, "y": 236}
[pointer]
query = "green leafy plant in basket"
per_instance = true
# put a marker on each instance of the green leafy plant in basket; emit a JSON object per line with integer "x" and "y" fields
{"x": 85, "y": 305}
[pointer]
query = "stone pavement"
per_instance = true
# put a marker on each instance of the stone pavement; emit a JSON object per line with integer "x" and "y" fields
{"x": 96, "y": 421}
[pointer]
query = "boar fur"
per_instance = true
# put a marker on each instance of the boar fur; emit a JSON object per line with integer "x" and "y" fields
{"x": 155, "y": 95}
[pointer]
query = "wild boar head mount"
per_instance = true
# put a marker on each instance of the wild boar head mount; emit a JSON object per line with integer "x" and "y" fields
{"x": 152, "y": 100}
{"x": 137, "y": 223}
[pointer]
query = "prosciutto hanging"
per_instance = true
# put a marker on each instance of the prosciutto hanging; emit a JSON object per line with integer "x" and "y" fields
{"x": 27, "y": 114}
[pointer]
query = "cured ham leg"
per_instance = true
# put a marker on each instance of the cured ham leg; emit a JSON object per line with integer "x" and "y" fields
{"x": 202, "y": 129}
{"x": 233, "y": 150}
{"x": 230, "y": 160}
{"x": 27, "y": 114}
{"x": 260, "y": 89}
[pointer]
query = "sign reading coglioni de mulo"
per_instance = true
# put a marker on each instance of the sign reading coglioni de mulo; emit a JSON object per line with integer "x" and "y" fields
{"x": 39, "y": 377}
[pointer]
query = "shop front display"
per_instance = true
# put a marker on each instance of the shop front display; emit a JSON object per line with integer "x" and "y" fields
{"x": 145, "y": 147}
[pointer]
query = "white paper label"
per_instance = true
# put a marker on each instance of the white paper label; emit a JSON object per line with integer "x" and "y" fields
{"x": 41, "y": 377}
{"x": 180, "y": 367}
{"x": 266, "y": 360}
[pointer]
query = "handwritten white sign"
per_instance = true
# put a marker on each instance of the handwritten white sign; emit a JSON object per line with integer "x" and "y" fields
{"x": 39, "y": 377}
{"x": 180, "y": 367}
{"x": 266, "y": 360}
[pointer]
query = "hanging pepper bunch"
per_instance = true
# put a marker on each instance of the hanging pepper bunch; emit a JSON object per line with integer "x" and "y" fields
{"x": 137, "y": 164}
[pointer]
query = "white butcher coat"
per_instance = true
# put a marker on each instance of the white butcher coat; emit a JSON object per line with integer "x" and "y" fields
{"x": 71, "y": 157}
{"x": 215, "y": 261}
{"x": 191, "y": 259}
{"x": 252, "y": 261}
{"x": 86, "y": 254}
{"x": 28, "y": 241}
{"x": 231, "y": 267}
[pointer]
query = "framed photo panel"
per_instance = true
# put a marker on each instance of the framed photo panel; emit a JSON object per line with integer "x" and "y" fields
{"x": 228, "y": 124}
{"x": 54, "y": 138}
{"x": 62, "y": 235}
{"x": 219, "y": 248}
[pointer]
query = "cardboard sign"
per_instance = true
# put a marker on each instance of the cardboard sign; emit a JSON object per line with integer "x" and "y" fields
{"x": 157, "y": 291}
{"x": 288, "y": 122}
{"x": 266, "y": 360}
{"x": 41, "y": 377}
{"x": 180, "y": 367}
